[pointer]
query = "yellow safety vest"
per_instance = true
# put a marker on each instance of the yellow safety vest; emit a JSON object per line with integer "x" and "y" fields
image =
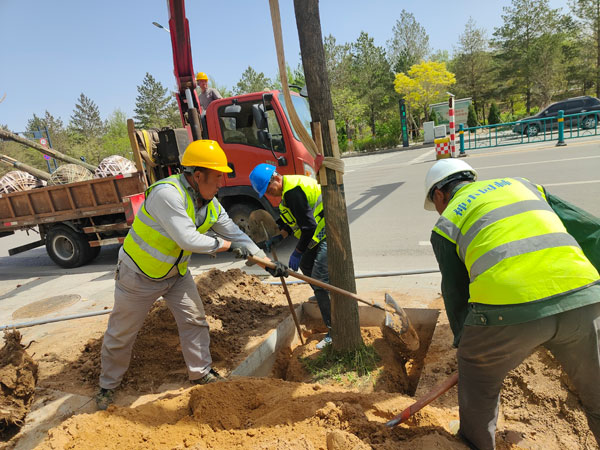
{"x": 514, "y": 246}
{"x": 156, "y": 253}
{"x": 312, "y": 190}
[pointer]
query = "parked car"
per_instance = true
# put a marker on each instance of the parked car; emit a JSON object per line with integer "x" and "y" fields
{"x": 546, "y": 118}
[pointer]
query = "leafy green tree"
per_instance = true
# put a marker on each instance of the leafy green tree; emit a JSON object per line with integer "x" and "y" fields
{"x": 472, "y": 63}
{"x": 494, "y": 114}
{"x": 251, "y": 81}
{"x": 295, "y": 77}
{"x": 116, "y": 140}
{"x": 372, "y": 77}
{"x": 59, "y": 137}
{"x": 425, "y": 84}
{"x": 589, "y": 12}
{"x": 409, "y": 44}
{"x": 472, "y": 117}
{"x": 85, "y": 120}
{"x": 521, "y": 48}
{"x": 154, "y": 106}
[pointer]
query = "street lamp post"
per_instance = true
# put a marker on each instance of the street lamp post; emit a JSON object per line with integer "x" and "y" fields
{"x": 158, "y": 25}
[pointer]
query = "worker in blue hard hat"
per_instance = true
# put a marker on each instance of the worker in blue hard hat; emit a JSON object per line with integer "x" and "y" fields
{"x": 301, "y": 214}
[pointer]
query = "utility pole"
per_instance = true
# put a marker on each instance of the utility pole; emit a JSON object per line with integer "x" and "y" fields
{"x": 344, "y": 311}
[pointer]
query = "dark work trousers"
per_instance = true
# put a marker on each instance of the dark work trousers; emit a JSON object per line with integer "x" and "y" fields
{"x": 487, "y": 354}
{"x": 314, "y": 264}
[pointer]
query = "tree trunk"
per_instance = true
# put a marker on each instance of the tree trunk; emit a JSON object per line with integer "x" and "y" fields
{"x": 344, "y": 311}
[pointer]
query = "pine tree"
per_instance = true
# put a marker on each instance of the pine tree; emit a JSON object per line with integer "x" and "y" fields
{"x": 86, "y": 121}
{"x": 472, "y": 117}
{"x": 409, "y": 44}
{"x": 154, "y": 107}
{"x": 494, "y": 114}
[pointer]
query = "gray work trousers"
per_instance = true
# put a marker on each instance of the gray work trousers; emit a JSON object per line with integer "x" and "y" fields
{"x": 134, "y": 296}
{"x": 487, "y": 354}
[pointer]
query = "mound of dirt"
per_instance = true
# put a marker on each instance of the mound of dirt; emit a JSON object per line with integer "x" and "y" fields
{"x": 258, "y": 414}
{"x": 240, "y": 311}
{"x": 18, "y": 377}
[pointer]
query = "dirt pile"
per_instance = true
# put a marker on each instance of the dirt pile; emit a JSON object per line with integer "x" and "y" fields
{"x": 257, "y": 414}
{"x": 240, "y": 310}
{"x": 18, "y": 377}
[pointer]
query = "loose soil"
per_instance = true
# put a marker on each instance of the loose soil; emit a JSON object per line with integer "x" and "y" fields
{"x": 18, "y": 376}
{"x": 539, "y": 409}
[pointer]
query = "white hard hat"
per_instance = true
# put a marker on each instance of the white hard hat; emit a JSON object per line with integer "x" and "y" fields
{"x": 441, "y": 170}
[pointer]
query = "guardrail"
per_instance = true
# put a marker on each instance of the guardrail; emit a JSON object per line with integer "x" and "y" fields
{"x": 533, "y": 130}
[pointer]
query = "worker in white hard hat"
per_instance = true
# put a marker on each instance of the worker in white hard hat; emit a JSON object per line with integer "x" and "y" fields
{"x": 171, "y": 224}
{"x": 206, "y": 94}
{"x": 519, "y": 270}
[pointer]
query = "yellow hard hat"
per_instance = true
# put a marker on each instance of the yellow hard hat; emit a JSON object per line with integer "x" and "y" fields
{"x": 201, "y": 76}
{"x": 205, "y": 153}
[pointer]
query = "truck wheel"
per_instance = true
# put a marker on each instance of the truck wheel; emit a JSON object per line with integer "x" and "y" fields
{"x": 240, "y": 213}
{"x": 93, "y": 253}
{"x": 66, "y": 247}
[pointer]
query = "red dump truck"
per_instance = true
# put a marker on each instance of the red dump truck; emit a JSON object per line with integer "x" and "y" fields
{"x": 75, "y": 220}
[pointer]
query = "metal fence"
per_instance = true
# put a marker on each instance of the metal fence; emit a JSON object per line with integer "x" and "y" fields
{"x": 526, "y": 131}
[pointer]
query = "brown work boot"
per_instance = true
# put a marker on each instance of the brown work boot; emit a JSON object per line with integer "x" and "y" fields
{"x": 104, "y": 398}
{"x": 211, "y": 377}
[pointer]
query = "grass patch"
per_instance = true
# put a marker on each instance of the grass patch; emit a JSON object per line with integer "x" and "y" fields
{"x": 330, "y": 364}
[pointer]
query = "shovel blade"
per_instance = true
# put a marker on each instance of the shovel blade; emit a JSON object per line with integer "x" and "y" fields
{"x": 258, "y": 221}
{"x": 398, "y": 329}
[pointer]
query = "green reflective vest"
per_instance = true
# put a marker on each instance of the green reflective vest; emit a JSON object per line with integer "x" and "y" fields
{"x": 511, "y": 240}
{"x": 153, "y": 251}
{"x": 312, "y": 190}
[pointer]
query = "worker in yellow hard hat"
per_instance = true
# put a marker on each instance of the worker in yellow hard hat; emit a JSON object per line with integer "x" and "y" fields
{"x": 206, "y": 94}
{"x": 171, "y": 225}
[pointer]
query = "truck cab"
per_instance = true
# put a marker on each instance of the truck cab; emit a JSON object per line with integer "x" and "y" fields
{"x": 252, "y": 129}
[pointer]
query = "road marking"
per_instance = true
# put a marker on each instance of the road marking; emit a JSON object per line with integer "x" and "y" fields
{"x": 572, "y": 182}
{"x": 424, "y": 243}
{"x": 538, "y": 162}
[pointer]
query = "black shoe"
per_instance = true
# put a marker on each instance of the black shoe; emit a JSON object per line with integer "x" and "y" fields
{"x": 211, "y": 377}
{"x": 104, "y": 398}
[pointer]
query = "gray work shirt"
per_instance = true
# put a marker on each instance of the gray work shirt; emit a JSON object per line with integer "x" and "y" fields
{"x": 166, "y": 205}
{"x": 207, "y": 97}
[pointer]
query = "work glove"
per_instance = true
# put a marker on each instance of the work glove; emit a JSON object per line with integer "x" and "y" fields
{"x": 295, "y": 259}
{"x": 240, "y": 250}
{"x": 280, "y": 269}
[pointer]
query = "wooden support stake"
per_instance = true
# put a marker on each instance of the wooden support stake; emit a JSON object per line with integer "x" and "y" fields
{"x": 335, "y": 148}
{"x": 137, "y": 157}
{"x": 318, "y": 138}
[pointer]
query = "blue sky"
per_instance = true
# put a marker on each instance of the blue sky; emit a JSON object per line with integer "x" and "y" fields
{"x": 54, "y": 50}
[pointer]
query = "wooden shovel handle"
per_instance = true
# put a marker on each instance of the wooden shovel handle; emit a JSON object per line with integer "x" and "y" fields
{"x": 424, "y": 401}
{"x": 262, "y": 263}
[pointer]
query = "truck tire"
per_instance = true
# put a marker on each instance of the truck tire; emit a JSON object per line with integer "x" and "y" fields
{"x": 68, "y": 248}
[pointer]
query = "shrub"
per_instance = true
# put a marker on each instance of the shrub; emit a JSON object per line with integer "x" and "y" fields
{"x": 494, "y": 114}
{"x": 472, "y": 117}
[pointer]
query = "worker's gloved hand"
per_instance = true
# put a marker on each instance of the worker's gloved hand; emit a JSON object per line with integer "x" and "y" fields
{"x": 280, "y": 269}
{"x": 295, "y": 259}
{"x": 240, "y": 250}
{"x": 272, "y": 242}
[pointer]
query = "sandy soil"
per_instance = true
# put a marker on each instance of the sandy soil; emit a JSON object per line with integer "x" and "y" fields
{"x": 539, "y": 409}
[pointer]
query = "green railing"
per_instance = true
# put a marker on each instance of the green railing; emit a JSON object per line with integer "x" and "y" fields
{"x": 527, "y": 131}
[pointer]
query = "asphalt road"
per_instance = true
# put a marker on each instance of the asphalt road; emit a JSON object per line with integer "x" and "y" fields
{"x": 390, "y": 230}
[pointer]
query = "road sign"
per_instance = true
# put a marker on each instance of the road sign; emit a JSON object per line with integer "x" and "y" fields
{"x": 46, "y": 157}
{"x": 44, "y": 142}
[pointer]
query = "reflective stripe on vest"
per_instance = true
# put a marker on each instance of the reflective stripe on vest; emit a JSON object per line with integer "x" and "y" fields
{"x": 510, "y": 239}
{"x": 312, "y": 190}
{"x": 155, "y": 253}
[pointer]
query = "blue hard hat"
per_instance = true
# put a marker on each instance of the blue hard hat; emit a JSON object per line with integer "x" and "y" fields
{"x": 260, "y": 177}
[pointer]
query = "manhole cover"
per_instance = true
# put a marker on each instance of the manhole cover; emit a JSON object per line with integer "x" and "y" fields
{"x": 46, "y": 306}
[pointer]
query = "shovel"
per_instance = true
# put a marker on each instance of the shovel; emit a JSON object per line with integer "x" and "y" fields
{"x": 285, "y": 290}
{"x": 396, "y": 322}
{"x": 423, "y": 401}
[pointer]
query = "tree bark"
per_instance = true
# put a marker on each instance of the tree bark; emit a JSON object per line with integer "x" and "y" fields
{"x": 344, "y": 311}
